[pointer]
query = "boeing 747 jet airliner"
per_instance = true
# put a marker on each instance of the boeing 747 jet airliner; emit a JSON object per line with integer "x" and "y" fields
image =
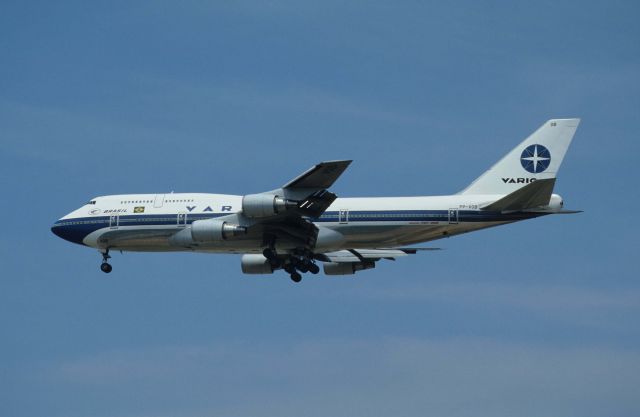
{"x": 302, "y": 223}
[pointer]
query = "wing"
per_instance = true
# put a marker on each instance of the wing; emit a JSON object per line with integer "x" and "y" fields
{"x": 360, "y": 255}
{"x": 320, "y": 176}
{"x": 309, "y": 189}
{"x": 349, "y": 261}
{"x": 284, "y": 214}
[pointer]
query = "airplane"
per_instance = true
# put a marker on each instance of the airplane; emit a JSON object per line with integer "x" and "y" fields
{"x": 301, "y": 224}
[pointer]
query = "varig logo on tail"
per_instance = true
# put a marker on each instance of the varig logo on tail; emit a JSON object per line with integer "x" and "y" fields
{"x": 535, "y": 158}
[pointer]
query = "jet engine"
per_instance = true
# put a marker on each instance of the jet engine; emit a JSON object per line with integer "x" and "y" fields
{"x": 212, "y": 230}
{"x": 347, "y": 268}
{"x": 206, "y": 231}
{"x": 265, "y": 205}
{"x": 255, "y": 264}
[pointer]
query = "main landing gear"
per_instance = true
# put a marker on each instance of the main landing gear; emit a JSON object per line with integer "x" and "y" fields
{"x": 296, "y": 277}
{"x": 106, "y": 266}
{"x": 294, "y": 265}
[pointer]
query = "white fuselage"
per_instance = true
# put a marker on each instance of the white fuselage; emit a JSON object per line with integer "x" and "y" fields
{"x": 302, "y": 222}
{"x": 148, "y": 222}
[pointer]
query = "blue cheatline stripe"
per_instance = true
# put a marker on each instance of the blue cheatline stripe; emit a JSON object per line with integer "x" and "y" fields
{"x": 425, "y": 215}
{"x": 98, "y": 222}
{"x": 75, "y": 230}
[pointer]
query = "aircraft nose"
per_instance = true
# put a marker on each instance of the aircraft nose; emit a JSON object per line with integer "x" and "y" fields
{"x": 68, "y": 231}
{"x": 56, "y": 229}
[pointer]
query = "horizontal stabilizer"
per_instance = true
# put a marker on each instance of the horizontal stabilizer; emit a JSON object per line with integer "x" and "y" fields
{"x": 555, "y": 212}
{"x": 535, "y": 194}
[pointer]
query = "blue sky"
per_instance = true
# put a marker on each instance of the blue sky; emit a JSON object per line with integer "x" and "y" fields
{"x": 533, "y": 319}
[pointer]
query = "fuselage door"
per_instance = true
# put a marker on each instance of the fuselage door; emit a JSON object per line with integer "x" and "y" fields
{"x": 114, "y": 221}
{"x": 343, "y": 216}
{"x": 159, "y": 201}
{"x": 182, "y": 219}
{"x": 453, "y": 216}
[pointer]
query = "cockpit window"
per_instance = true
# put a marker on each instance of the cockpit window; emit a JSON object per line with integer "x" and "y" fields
{"x": 92, "y": 202}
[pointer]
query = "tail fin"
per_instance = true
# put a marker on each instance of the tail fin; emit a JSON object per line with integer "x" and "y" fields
{"x": 538, "y": 157}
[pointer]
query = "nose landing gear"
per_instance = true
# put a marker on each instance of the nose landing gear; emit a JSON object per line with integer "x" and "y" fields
{"x": 106, "y": 266}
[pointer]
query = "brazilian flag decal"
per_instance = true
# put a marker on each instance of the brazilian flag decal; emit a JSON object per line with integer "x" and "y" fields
{"x": 138, "y": 209}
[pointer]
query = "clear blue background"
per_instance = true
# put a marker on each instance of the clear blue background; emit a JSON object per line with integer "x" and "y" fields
{"x": 538, "y": 318}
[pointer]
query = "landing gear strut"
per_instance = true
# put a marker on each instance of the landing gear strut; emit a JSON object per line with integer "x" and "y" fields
{"x": 270, "y": 253}
{"x": 106, "y": 266}
{"x": 272, "y": 256}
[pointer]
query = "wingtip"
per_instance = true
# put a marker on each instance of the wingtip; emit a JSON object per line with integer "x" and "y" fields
{"x": 321, "y": 175}
{"x": 570, "y": 121}
{"x": 415, "y": 250}
{"x": 337, "y": 161}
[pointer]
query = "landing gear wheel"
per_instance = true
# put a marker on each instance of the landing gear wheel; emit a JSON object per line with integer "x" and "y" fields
{"x": 275, "y": 264}
{"x": 270, "y": 253}
{"x": 314, "y": 269}
{"x": 296, "y": 277}
{"x": 105, "y": 267}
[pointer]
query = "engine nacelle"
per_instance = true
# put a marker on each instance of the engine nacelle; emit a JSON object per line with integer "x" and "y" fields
{"x": 347, "y": 268}
{"x": 265, "y": 205}
{"x": 255, "y": 264}
{"x": 212, "y": 230}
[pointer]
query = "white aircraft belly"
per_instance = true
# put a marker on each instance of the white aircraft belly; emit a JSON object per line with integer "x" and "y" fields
{"x": 360, "y": 234}
{"x": 375, "y": 235}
